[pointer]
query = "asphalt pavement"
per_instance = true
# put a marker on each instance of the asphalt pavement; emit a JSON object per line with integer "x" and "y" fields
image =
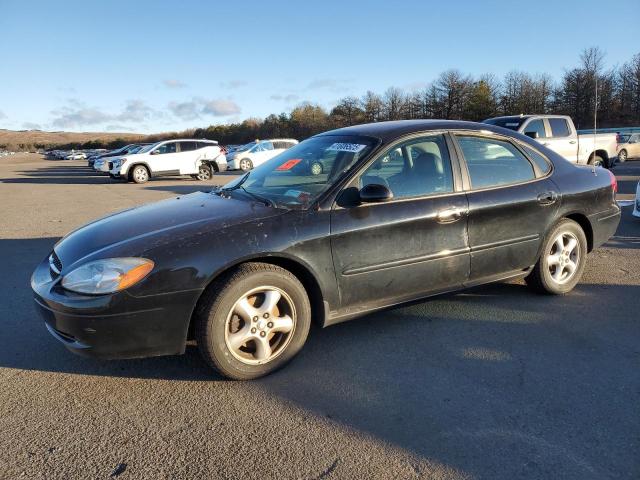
{"x": 495, "y": 382}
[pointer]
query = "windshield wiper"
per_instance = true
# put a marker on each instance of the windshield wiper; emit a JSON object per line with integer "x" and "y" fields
{"x": 260, "y": 198}
{"x": 237, "y": 185}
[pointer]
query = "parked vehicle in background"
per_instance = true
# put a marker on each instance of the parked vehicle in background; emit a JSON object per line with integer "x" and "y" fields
{"x": 198, "y": 158}
{"x": 256, "y": 153}
{"x": 636, "y": 205}
{"x": 628, "y": 146}
{"x": 127, "y": 149}
{"x": 104, "y": 164}
{"x": 558, "y": 133}
{"x": 76, "y": 156}
{"x": 404, "y": 210}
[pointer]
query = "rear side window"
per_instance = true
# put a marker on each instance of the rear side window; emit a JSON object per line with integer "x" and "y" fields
{"x": 559, "y": 127}
{"x": 492, "y": 162}
{"x": 188, "y": 146}
{"x": 167, "y": 148}
{"x": 542, "y": 163}
{"x": 536, "y": 126}
{"x": 205, "y": 144}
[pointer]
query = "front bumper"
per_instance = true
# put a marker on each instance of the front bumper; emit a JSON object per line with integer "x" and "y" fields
{"x": 113, "y": 326}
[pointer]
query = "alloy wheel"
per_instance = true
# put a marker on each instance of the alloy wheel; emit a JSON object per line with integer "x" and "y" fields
{"x": 140, "y": 175}
{"x": 622, "y": 156}
{"x": 260, "y": 325}
{"x": 204, "y": 173}
{"x": 564, "y": 257}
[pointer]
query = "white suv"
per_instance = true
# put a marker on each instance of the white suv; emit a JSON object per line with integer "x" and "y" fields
{"x": 198, "y": 158}
{"x": 255, "y": 153}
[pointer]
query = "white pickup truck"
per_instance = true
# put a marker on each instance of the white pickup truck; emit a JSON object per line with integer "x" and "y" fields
{"x": 558, "y": 133}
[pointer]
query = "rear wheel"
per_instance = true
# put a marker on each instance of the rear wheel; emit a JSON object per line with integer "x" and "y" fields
{"x": 252, "y": 321}
{"x": 562, "y": 262}
{"x": 597, "y": 161}
{"x": 622, "y": 156}
{"x": 204, "y": 173}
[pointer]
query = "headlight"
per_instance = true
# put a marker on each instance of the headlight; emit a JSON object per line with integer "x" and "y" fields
{"x": 108, "y": 275}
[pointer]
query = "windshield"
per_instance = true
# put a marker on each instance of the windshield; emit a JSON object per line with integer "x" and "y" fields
{"x": 512, "y": 123}
{"x": 146, "y": 148}
{"x": 246, "y": 147}
{"x": 299, "y": 175}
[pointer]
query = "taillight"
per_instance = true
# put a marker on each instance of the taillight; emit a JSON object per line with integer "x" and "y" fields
{"x": 614, "y": 182}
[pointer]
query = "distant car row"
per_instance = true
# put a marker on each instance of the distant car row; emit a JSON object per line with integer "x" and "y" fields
{"x": 197, "y": 158}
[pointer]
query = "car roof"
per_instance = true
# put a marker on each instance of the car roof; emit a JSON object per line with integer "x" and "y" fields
{"x": 190, "y": 140}
{"x": 398, "y": 128}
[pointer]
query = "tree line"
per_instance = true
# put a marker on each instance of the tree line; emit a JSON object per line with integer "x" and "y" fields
{"x": 458, "y": 96}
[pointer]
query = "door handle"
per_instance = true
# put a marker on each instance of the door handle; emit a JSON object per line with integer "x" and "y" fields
{"x": 547, "y": 198}
{"x": 572, "y": 142}
{"x": 450, "y": 215}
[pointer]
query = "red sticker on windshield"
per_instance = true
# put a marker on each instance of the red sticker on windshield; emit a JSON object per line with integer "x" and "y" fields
{"x": 289, "y": 164}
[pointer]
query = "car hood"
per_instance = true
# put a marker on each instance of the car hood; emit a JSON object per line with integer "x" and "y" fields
{"x": 133, "y": 231}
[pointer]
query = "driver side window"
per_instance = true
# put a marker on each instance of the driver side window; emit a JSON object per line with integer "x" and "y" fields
{"x": 417, "y": 167}
{"x": 166, "y": 148}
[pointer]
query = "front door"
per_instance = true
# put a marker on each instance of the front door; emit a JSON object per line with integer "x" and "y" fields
{"x": 409, "y": 246}
{"x": 164, "y": 160}
{"x": 511, "y": 205}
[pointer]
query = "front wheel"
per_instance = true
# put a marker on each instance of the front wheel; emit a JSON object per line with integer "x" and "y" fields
{"x": 246, "y": 165}
{"x": 622, "y": 156}
{"x": 252, "y": 321}
{"x": 140, "y": 174}
{"x": 562, "y": 262}
{"x": 597, "y": 161}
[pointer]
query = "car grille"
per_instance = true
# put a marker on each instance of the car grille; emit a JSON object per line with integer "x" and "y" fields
{"x": 55, "y": 265}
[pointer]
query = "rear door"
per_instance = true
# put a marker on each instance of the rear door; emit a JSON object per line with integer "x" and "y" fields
{"x": 511, "y": 203}
{"x": 187, "y": 158}
{"x": 560, "y": 139}
{"x": 412, "y": 245}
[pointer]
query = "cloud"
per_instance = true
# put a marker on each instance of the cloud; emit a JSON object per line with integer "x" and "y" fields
{"x": 78, "y": 114}
{"x": 31, "y": 126}
{"x": 135, "y": 111}
{"x": 2, "y": 115}
{"x": 118, "y": 128}
{"x": 173, "y": 83}
{"x": 290, "y": 98}
{"x": 233, "y": 84}
{"x": 198, "y": 106}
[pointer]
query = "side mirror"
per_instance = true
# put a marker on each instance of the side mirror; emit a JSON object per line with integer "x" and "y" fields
{"x": 154, "y": 152}
{"x": 375, "y": 193}
{"x": 533, "y": 135}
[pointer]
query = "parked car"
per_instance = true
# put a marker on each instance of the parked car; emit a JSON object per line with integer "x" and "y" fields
{"x": 636, "y": 206}
{"x": 246, "y": 268}
{"x": 256, "y": 153}
{"x": 104, "y": 164}
{"x": 76, "y": 156}
{"x": 127, "y": 149}
{"x": 628, "y": 146}
{"x": 198, "y": 158}
{"x": 558, "y": 133}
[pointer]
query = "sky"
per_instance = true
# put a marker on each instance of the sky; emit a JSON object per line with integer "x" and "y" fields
{"x": 154, "y": 66}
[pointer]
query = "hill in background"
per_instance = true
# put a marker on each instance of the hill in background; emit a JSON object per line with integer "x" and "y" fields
{"x": 24, "y": 140}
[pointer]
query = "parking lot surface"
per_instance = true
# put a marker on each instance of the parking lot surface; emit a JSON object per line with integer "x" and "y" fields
{"x": 495, "y": 382}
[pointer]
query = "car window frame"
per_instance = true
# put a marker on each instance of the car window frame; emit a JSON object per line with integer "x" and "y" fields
{"x": 545, "y": 126}
{"x": 466, "y": 178}
{"x": 550, "y": 128}
{"x": 353, "y": 180}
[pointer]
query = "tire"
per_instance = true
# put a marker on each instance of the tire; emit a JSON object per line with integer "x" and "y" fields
{"x": 204, "y": 173}
{"x": 229, "y": 335}
{"x": 140, "y": 174}
{"x": 316, "y": 168}
{"x": 245, "y": 165}
{"x": 622, "y": 156}
{"x": 558, "y": 272}
{"x": 597, "y": 161}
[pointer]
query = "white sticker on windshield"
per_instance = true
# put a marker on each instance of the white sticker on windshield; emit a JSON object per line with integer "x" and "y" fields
{"x": 346, "y": 147}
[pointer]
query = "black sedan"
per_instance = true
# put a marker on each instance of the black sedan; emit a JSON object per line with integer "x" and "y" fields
{"x": 400, "y": 211}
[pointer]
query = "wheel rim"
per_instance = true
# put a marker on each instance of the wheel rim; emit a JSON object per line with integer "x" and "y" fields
{"x": 140, "y": 174}
{"x": 597, "y": 162}
{"x": 316, "y": 169}
{"x": 244, "y": 165}
{"x": 622, "y": 156}
{"x": 260, "y": 325}
{"x": 564, "y": 257}
{"x": 204, "y": 173}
